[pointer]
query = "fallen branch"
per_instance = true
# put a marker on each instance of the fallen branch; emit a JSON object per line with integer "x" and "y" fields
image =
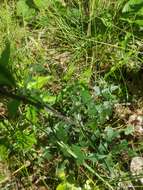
{"x": 40, "y": 105}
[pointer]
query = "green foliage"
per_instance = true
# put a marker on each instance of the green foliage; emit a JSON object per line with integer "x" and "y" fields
{"x": 129, "y": 130}
{"x": 24, "y": 140}
{"x": 13, "y": 108}
{"x": 41, "y": 4}
{"x": 67, "y": 186}
{"x": 71, "y": 60}
{"x": 31, "y": 114}
{"x": 23, "y": 10}
{"x": 38, "y": 82}
{"x": 134, "y": 11}
{"x": 3, "y": 153}
{"x": 6, "y": 77}
{"x": 132, "y": 5}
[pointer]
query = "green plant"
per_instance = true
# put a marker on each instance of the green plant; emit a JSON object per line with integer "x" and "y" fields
{"x": 64, "y": 67}
{"x": 133, "y": 9}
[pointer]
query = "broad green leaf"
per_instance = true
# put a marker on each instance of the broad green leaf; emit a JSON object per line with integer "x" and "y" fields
{"x": 92, "y": 157}
{"x": 38, "y": 82}
{"x": 132, "y": 5}
{"x": 3, "y": 153}
{"x": 139, "y": 22}
{"x": 13, "y": 107}
{"x": 24, "y": 10}
{"x": 60, "y": 172}
{"x": 61, "y": 131}
{"x": 80, "y": 155}
{"x": 62, "y": 186}
{"x": 86, "y": 97}
{"x": 67, "y": 186}
{"x": 4, "y": 60}
{"x": 92, "y": 109}
{"x": 140, "y": 12}
{"x": 31, "y": 114}
{"x": 85, "y": 76}
{"x": 122, "y": 146}
{"x": 24, "y": 140}
{"x": 48, "y": 98}
{"x": 41, "y": 4}
{"x": 6, "y": 78}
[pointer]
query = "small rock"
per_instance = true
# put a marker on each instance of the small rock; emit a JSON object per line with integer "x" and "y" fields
{"x": 136, "y": 120}
{"x": 136, "y": 167}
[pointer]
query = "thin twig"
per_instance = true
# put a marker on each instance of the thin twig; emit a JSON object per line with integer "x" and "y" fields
{"x": 37, "y": 104}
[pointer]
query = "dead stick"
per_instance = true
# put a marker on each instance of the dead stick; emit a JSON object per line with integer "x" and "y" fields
{"x": 37, "y": 104}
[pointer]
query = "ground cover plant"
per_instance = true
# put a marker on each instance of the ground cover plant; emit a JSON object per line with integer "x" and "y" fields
{"x": 71, "y": 113}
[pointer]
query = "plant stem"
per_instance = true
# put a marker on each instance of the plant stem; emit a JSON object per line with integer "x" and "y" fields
{"x": 37, "y": 104}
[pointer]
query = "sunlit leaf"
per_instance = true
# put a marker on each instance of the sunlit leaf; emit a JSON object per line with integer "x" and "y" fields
{"x": 40, "y": 4}
{"x": 139, "y": 22}
{"x": 31, "y": 114}
{"x": 132, "y": 5}
{"x": 38, "y": 82}
{"x": 67, "y": 186}
{"x": 24, "y": 10}
{"x": 85, "y": 76}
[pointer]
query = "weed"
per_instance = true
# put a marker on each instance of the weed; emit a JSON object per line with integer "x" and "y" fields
{"x": 65, "y": 67}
